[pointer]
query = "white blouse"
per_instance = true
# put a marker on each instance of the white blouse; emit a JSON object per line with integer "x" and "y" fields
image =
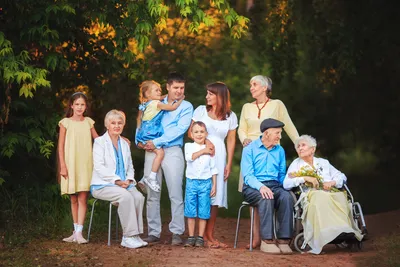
{"x": 323, "y": 167}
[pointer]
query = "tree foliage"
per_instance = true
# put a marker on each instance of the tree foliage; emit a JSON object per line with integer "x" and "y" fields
{"x": 49, "y": 49}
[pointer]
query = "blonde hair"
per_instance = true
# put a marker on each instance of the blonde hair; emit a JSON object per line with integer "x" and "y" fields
{"x": 114, "y": 114}
{"x": 144, "y": 88}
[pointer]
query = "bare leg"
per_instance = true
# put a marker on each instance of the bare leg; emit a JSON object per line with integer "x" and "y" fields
{"x": 209, "y": 232}
{"x": 82, "y": 206}
{"x": 74, "y": 212}
{"x": 191, "y": 225}
{"x": 157, "y": 160}
{"x": 150, "y": 179}
{"x": 74, "y": 207}
{"x": 202, "y": 227}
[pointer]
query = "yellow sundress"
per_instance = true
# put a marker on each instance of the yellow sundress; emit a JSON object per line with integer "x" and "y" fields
{"x": 78, "y": 155}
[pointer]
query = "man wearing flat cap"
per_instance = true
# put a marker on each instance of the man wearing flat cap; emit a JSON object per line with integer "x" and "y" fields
{"x": 264, "y": 167}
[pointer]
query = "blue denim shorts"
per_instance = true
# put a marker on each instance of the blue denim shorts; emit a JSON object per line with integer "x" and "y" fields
{"x": 197, "y": 198}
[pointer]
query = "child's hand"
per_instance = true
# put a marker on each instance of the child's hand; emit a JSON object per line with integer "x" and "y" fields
{"x": 183, "y": 97}
{"x": 213, "y": 191}
{"x": 64, "y": 172}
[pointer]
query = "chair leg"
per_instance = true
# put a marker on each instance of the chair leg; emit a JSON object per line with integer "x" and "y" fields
{"x": 109, "y": 225}
{"x": 116, "y": 225}
{"x": 91, "y": 219}
{"x": 274, "y": 224}
{"x": 251, "y": 228}
{"x": 237, "y": 226}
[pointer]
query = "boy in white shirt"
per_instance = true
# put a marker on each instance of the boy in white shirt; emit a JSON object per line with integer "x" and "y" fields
{"x": 199, "y": 185}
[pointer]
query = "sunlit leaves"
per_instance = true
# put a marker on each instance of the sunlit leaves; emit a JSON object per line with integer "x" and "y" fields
{"x": 15, "y": 69}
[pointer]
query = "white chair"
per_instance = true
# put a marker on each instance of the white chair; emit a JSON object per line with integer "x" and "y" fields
{"x": 245, "y": 204}
{"x": 109, "y": 221}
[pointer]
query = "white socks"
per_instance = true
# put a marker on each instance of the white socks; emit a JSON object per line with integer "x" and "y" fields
{"x": 78, "y": 227}
{"x": 152, "y": 176}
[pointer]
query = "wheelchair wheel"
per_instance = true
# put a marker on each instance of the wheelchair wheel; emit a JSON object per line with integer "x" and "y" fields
{"x": 298, "y": 243}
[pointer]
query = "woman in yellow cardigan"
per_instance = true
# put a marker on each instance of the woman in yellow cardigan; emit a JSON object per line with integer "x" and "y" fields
{"x": 249, "y": 125}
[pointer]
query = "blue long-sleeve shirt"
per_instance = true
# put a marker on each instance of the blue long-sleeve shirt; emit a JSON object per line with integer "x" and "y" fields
{"x": 259, "y": 164}
{"x": 175, "y": 124}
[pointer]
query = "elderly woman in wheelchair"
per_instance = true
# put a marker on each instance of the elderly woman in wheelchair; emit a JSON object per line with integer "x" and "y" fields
{"x": 327, "y": 214}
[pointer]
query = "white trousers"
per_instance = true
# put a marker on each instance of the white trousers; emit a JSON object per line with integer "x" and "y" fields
{"x": 130, "y": 207}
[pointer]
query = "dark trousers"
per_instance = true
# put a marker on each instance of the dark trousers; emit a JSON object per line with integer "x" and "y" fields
{"x": 282, "y": 202}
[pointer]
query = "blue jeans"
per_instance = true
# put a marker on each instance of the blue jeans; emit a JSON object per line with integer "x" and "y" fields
{"x": 282, "y": 202}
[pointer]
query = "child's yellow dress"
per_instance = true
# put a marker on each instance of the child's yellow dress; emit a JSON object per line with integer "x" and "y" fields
{"x": 78, "y": 155}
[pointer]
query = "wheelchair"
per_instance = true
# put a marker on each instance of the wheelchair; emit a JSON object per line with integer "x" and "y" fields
{"x": 343, "y": 240}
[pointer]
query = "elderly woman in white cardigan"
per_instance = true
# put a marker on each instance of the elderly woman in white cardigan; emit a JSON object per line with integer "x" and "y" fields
{"x": 326, "y": 213}
{"x": 113, "y": 178}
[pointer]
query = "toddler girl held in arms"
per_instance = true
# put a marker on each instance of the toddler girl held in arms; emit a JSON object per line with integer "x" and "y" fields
{"x": 149, "y": 126}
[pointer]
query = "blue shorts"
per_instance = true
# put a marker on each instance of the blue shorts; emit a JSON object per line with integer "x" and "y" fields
{"x": 197, "y": 198}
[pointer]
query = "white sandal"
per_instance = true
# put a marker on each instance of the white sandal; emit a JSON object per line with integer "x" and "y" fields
{"x": 70, "y": 239}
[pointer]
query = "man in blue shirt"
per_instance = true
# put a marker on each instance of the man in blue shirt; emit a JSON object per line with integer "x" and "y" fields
{"x": 175, "y": 124}
{"x": 264, "y": 166}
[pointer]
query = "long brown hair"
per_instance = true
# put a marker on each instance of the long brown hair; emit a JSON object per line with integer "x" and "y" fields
{"x": 71, "y": 101}
{"x": 144, "y": 87}
{"x": 223, "y": 110}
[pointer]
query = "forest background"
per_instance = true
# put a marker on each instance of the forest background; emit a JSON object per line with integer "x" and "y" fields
{"x": 333, "y": 63}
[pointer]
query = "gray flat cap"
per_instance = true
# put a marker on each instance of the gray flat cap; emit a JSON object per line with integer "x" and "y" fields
{"x": 270, "y": 123}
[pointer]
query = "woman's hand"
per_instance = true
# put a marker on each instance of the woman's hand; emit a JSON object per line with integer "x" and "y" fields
{"x": 123, "y": 184}
{"x": 328, "y": 185}
{"x": 211, "y": 147}
{"x": 311, "y": 180}
{"x": 227, "y": 172}
{"x": 207, "y": 150}
{"x": 64, "y": 172}
{"x": 246, "y": 142}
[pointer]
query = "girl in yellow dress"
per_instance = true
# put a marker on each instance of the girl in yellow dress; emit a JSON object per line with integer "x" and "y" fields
{"x": 75, "y": 157}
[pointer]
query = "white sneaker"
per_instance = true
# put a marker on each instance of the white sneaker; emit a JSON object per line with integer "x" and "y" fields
{"x": 144, "y": 243}
{"x": 131, "y": 242}
{"x": 152, "y": 184}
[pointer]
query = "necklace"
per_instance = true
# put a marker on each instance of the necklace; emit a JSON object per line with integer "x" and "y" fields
{"x": 259, "y": 109}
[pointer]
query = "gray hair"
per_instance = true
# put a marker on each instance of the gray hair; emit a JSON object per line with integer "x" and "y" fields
{"x": 308, "y": 139}
{"x": 264, "y": 81}
{"x": 114, "y": 114}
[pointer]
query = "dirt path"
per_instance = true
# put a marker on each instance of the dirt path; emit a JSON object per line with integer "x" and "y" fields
{"x": 97, "y": 253}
